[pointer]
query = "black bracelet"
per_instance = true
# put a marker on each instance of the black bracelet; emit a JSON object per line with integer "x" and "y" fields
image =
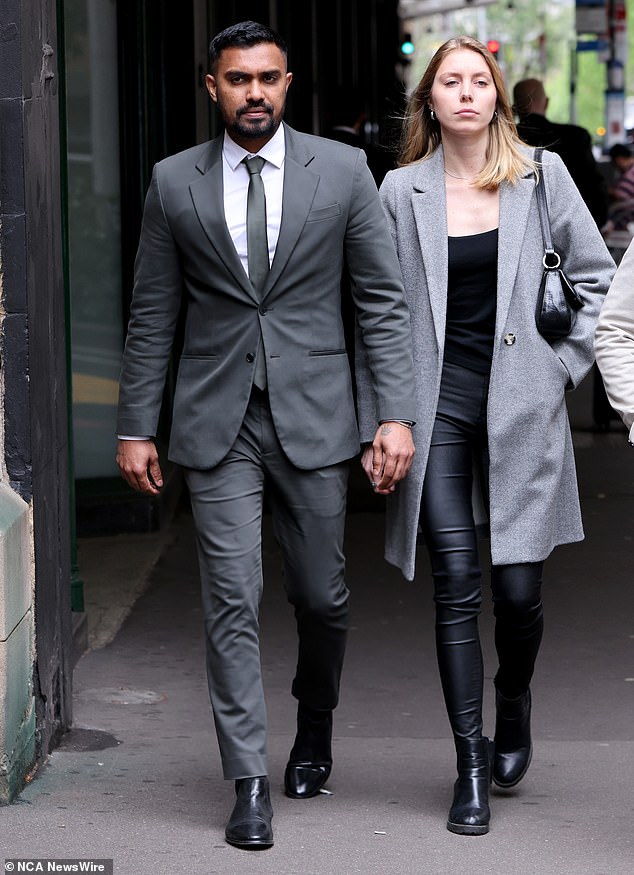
{"x": 406, "y": 423}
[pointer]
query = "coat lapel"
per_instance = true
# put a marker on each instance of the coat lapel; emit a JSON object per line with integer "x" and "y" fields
{"x": 207, "y": 196}
{"x": 300, "y": 185}
{"x": 515, "y": 202}
{"x": 429, "y": 207}
{"x": 431, "y": 225}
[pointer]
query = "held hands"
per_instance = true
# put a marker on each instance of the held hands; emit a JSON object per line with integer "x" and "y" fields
{"x": 389, "y": 457}
{"x": 138, "y": 464}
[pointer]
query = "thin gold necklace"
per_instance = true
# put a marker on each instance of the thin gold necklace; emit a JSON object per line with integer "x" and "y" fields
{"x": 453, "y": 175}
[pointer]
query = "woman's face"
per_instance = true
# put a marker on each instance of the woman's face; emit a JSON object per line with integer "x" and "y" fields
{"x": 463, "y": 95}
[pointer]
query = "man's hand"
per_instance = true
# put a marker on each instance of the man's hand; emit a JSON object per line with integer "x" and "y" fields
{"x": 138, "y": 464}
{"x": 388, "y": 459}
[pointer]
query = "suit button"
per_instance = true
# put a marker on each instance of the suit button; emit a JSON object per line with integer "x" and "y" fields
{"x": 250, "y": 357}
{"x": 509, "y": 339}
{"x": 263, "y": 311}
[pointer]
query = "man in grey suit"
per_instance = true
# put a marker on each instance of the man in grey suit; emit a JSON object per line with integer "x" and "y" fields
{"x": 263, "y": 394}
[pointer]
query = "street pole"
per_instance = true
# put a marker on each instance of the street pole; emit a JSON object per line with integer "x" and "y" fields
{"x": 615, "y": 91}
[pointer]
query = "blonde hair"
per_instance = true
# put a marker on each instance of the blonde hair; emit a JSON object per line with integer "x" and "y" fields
{"x": 421, "y": 133}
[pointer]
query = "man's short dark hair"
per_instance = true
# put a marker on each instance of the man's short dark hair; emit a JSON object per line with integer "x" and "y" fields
{"x": 620, "y": 150}
{"x": 244, "y": 34}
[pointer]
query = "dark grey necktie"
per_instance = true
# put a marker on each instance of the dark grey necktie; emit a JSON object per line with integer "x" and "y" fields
{"x": 257, "y": 242}
{"x": 257, "y": 247}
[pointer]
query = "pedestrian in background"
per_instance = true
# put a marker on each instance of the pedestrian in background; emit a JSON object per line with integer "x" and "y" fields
{"x": 621, "y": 193}
{"x": 249, "y": 232}
{"x": 572, "y": 143}
{"x": 348, "y": 117}
{"x": 490, "y": 390}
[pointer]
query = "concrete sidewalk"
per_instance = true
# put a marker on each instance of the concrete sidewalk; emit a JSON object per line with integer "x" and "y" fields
{"x": 138, "y": 780}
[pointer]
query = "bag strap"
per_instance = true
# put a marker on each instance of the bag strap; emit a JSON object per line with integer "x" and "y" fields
{"x": 551, "y": 258}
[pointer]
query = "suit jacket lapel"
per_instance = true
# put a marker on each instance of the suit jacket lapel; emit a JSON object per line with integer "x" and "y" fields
{"x": 207, "y": 196}
{"x": 429, "y": 206}
{"x": 300, "y": 185}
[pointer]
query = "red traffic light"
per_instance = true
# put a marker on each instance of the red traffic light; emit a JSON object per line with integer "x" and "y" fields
{"x": 493, "y": 46}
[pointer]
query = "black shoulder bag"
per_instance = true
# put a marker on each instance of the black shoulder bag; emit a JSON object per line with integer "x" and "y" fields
{"x": 557, "y": 301}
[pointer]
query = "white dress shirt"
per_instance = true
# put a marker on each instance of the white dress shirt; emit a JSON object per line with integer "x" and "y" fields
{"x": 235, "y": 180}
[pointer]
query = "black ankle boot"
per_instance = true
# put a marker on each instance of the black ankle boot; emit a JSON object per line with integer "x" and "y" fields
{"x": 249, "y": 825}
{"x": 469, "y": 814}
{"x": 310, "y": 760}
{"x": 513, "y": 745}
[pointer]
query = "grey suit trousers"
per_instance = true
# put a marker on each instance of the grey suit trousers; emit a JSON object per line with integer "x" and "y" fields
{"x": 308, "y": 512}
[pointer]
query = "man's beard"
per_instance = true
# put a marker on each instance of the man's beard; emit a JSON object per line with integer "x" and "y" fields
{"x": 255, "y": 129}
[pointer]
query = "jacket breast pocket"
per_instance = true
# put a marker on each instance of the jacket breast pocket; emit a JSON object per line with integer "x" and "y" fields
{"x": 329, "y": 212}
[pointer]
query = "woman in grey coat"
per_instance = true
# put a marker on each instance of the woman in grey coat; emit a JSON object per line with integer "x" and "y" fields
{"x": 490, "y": 393}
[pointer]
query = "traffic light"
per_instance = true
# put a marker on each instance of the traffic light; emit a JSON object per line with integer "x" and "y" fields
{"x": 406, "y": 47}
{"x": 494, "y": 47}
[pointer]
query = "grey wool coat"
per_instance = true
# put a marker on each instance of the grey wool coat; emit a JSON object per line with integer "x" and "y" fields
{"x": 533, "y": 496}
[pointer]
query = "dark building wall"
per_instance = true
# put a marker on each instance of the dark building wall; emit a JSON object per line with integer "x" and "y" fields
{"x": 157, "y": 102}
{"x": 34, "y": 349}
{"x": 358, "y": 50}
{"x": 13, "y": 242}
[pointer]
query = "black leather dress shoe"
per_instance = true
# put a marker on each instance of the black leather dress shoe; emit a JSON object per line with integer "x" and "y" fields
{"x": 303, "y": 780}
{"x": 249, "y": 826}
{"x": 310, "y": 760}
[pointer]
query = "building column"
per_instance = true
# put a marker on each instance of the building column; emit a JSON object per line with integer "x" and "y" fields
{"x": 35, "y": 619}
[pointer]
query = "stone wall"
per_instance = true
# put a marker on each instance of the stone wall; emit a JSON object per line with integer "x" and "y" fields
{"x": 17, "y": 702}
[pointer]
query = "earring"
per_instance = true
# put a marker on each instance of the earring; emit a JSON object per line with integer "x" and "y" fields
{"x": 432, "y": 114}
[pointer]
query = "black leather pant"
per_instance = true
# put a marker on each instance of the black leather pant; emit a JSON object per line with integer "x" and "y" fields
{"x": 459, "y": 441}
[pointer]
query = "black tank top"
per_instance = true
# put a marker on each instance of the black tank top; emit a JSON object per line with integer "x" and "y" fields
{"x": 471, "y": 300}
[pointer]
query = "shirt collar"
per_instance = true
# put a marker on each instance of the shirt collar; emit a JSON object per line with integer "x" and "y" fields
{"x": 273, "y": 151}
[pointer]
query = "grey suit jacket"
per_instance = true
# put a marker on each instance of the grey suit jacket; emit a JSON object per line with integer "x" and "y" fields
{"x": 331, "y": 211}
{"x": 533, "y": 494}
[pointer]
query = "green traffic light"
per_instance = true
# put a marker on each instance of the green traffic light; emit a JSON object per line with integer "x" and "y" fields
{"x": 407, "y": 46}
